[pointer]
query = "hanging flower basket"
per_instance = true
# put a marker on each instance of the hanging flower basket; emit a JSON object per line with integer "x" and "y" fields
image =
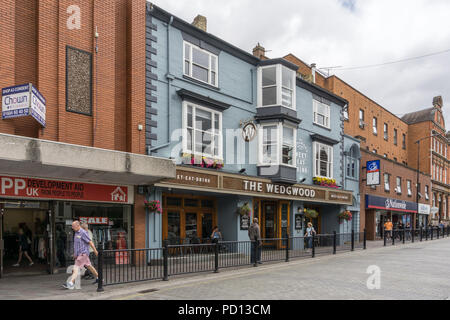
{"x": 203, "y": 162}
{"x": 153, "y": 206}
{"x": 345, "y": 215}
{"x": 310, "y": 213}
{"x": 325, "y": 182}
{"x": 244, "y": 210}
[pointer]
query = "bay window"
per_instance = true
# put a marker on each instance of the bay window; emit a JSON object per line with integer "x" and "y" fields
{"x": 203, "y": 131}
{"x": 200, "y": 64}
{"x": 323, "y": 160}
{"x": 278, "y": 144}
{"x": 276, "y": 86}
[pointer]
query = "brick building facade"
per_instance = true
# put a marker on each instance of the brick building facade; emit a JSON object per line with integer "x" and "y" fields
{"x": 427, "y": 127}
{"x": 87, "y": 58}
{"x": 383, "y": 137}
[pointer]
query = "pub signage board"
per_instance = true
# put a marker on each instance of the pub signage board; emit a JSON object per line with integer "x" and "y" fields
{"x": 205, "y": 181}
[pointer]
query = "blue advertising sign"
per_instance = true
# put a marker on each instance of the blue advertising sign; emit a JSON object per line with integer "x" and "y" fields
{"x": 373, "y": 173}
{"x": 389, "y": 204}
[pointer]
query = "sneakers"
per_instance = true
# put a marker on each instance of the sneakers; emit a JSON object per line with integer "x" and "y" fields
{"x": 16, "y": 265}
{"x": 31, "y": 264}
{"x": 96, "y": 281}
{"x": 69, "y": 285}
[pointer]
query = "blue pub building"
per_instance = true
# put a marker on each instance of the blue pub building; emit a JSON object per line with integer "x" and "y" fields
{"x": 250, "y": 139}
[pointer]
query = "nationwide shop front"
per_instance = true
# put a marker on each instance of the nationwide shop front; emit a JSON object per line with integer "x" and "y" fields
{"x": 381, "y": 209}
{"x": 199, "y": 199}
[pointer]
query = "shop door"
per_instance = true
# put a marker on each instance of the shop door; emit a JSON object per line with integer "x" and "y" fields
{"x": 173, "y": 227}
{"x": 191, "y": 225}
{"x": 269, "y": 223}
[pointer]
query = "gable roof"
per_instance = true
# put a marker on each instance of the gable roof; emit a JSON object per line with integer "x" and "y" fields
{"x": 419, "y": 116}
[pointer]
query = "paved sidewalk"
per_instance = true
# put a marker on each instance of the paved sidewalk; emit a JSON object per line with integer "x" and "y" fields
{"x": 49, "y": 287}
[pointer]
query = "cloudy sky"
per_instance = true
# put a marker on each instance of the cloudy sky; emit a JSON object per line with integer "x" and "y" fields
{"x": 345, "y": 33}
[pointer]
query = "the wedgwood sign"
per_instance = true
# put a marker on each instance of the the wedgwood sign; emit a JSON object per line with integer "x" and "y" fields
{"x": 203, "y": 181}
{"x": 279, "y": 189}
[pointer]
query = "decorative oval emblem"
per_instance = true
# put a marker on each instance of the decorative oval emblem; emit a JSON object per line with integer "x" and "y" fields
{"x": 249, "y": 132}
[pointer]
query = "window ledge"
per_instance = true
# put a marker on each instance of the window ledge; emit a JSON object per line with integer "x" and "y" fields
{"x": 321, "y": 126}
{"x": 193, "y": 80}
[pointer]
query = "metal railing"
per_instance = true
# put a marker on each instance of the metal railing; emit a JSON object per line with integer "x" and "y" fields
{"x": 125, "y": 266}
{"x": 408, "y": 235}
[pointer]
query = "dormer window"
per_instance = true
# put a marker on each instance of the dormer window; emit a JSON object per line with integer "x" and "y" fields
{"x": 276, "y": 86}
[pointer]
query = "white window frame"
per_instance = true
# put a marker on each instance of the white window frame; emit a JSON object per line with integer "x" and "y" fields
{"x": 316, "y": 168}
{"x": 361, "y": 118}
{"x": 398, "y": 186}
{"x": 375, "y": 125}
{"x": 191, "y": 62}
{"x": 408, "y": 186}
{"x": 427, "y": 197}
{"x": 387, "y": 184}
{"x": 326, "y": 116}
{"x": 186, "y": 135}
{"x": 386, "y": 131}
{"x": 278, "y": 85}
{"x": 279, "y": 145}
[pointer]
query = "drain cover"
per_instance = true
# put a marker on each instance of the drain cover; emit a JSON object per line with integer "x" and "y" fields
{"x": 148, "y": 291}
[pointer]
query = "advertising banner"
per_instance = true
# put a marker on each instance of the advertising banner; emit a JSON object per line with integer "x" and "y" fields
{"x": 374, "y": 202}
{"x": 373, "y": 173}
{"x": 23, "y": 100}
{"x": 29, "y": 188}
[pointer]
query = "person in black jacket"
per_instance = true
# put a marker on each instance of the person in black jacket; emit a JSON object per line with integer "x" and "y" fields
{"x": 24, "y": 248}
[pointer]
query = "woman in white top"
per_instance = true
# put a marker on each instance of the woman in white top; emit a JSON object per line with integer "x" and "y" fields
{"x": 309, "y": 233}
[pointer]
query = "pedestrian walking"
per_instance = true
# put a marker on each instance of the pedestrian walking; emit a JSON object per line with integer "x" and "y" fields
{"x": 24, "y": 248}
{"x": 400, "y": 228}
{"x": 81, "y": 245}
{"x": 388, "y": 228}
{"x": 89, "y": 274}
{"x": 254, "y": 233}
{"x": 408, "y": 231}
{"x": 216, "y": 235}
{"x": 309, "y": 234}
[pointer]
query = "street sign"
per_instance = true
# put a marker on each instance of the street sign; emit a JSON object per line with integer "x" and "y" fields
{"x": 373, "y": 173}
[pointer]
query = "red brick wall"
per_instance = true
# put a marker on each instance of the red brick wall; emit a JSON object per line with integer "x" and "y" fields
{"x": 34, "y": 39}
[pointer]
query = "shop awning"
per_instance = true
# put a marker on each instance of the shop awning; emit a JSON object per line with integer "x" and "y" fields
{"x": 27, "y": 157}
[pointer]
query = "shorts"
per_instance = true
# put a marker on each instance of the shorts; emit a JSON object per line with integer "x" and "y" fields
{"x": 83, "y": 261}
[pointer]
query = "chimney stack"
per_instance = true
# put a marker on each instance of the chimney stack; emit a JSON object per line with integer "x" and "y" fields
{"x": 259, "y": 51}
{"x": 200, "y": 22}
{"x": 313, "y": 72}
{"x": 437, "y": 102}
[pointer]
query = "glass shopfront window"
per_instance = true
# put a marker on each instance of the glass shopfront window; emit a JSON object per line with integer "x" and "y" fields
{"x": 110, "y": 224}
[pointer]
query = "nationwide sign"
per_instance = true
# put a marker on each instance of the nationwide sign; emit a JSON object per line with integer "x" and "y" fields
{"x": 23, "y": 100}
{"x": 373, "y": 202}
{"x": 29, "y": 188}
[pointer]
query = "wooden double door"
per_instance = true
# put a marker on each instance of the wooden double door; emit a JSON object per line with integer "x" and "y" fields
{"x": 188, "y": 219}
{"x": 274, "y": 218}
